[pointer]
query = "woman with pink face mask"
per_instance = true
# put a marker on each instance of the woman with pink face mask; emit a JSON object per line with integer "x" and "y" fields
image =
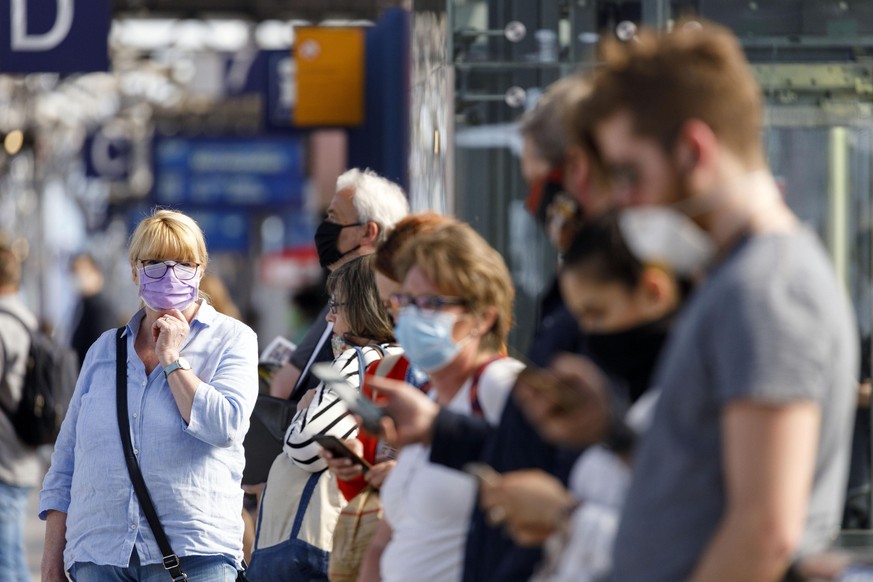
{"x": 191, "y": 383}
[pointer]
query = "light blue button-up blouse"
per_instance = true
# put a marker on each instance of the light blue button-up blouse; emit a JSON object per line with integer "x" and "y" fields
{"x": 192, "y": 471}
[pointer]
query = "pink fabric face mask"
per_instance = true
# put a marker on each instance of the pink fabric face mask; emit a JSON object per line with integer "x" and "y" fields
{"x": 168, "y": 292}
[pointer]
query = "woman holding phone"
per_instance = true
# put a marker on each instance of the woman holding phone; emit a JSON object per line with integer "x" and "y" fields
{"x": 352, "y": 479}
{"x": 454, "y": 311}
{"x": 301, "y": 502}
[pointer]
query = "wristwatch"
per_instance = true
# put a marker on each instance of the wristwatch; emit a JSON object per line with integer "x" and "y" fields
{"x": 180, "y": 364}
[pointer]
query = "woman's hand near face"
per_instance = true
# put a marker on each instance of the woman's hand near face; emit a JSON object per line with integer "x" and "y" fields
{"x": 169, "y": 332}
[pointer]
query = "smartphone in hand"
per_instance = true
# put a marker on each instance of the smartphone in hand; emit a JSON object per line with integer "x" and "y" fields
{"x": 370, "y": 413}
{"x": 339, "y": 449}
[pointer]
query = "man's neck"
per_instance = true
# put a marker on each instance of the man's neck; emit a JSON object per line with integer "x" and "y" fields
{"x": 358, "y": 252}
{"x": 6, "y": 290}
{"x": 751, "y": 203}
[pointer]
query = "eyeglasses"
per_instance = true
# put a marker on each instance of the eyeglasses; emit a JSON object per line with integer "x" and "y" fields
{"x": 425, "y": 302}
{"x": 154, "y": 269}
{"x": 333, "y": 305}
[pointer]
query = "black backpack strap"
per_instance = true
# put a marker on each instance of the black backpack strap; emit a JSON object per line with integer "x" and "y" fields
{"x": 4, "y": 383}
{"x": 18, "y": 319}
{"x": 170, "y": 559}
{"x": 29, "y": 331}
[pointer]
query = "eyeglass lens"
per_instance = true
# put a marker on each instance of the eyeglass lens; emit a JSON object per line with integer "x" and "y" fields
{"x": 157, "y": 269}
{"x": 427, "y": 302}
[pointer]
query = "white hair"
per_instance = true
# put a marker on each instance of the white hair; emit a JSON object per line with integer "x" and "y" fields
{"x": 376, "y": 199}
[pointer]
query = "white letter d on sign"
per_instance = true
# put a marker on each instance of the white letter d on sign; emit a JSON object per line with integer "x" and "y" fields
{"x": 21, "y": 41}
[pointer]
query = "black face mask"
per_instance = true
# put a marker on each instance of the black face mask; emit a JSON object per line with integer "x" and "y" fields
{"x": 326, "y": 236}
{"x": 631, "y": 354}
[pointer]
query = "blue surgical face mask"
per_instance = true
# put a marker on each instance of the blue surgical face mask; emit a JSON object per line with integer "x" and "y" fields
{"x": 426, "y": 337}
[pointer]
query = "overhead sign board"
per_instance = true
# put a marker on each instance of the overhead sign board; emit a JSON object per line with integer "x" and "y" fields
{"x": 107, "y": 155}
{"x": 228, "y": 171}
{"x": 329, "y": 63}
{"x": 280, "y": 88}
{"x": 54, "y": 36}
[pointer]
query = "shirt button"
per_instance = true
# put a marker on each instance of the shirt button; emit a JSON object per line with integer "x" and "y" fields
{"x": 136, "y": 415}
{"x": 132, "y": 526}
{"x": 135, "y": 451}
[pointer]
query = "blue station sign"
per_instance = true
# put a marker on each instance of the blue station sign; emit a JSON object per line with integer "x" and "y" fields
{"x": 54, "y": 36}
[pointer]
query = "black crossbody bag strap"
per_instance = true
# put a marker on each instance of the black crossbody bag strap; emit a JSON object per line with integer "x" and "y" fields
{"x": 170, "y": 559}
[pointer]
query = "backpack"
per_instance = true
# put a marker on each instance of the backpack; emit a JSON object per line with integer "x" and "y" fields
{"x": 49, "y": 380}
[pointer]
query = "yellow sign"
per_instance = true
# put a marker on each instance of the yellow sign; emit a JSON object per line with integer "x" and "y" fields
{"x": 330, "y": 76}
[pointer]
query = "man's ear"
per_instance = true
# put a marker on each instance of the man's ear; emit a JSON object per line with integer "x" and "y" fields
{"x": 658, "y": 292}
{"x": 371, "y": 234}
{"x": 696, "y": 152}
{"x": 134, "y": 274}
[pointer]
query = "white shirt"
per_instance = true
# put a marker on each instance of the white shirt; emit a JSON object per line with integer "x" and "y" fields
{"x": 428, "y": 506}
{"x": 600, "y": 480}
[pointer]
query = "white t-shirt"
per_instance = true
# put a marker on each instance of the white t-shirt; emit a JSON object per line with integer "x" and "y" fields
{"x": 428, "y": 506}
{"x": 600, "y": 480}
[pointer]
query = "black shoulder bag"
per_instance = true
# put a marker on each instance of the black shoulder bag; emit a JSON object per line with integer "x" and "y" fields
{"x": 170, "y": 559}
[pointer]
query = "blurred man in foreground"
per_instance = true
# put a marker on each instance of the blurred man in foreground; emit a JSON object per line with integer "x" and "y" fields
{"x": 744, "y": 467}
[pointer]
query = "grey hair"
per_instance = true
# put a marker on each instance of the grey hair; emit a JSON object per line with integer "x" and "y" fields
{"x": 376, "y": 199}
{"x": 546, "y": 125}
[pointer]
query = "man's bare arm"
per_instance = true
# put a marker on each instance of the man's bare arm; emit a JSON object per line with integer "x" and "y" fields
{"x": 769, "y": 458}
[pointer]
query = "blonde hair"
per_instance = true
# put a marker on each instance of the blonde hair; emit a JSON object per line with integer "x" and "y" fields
{"x": 168, "y": 234}
{"x": 460, "y": 263}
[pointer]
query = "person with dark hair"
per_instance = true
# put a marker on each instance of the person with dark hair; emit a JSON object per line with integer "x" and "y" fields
{"x": 627, "y": 308}
{"x": 360, "y": 320}
{"x": 20, "y": 468}
{"x": 94, "y": 313}
{"x": 297, "y": 481}
{"x": 560, "y": 199}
